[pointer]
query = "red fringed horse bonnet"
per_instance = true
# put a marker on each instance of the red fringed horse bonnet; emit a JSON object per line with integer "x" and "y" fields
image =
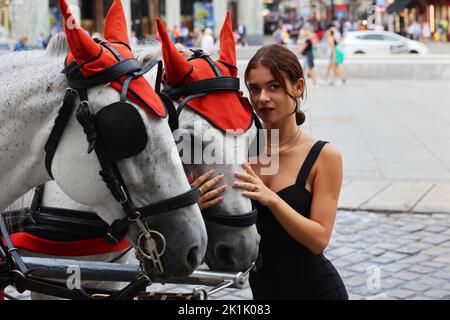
{"x": 209, "y": 88}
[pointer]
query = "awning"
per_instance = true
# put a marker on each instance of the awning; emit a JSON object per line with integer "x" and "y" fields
{"x": 397, "y": 6}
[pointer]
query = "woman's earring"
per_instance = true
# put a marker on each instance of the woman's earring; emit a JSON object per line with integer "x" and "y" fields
{"x": 299, "y": 103}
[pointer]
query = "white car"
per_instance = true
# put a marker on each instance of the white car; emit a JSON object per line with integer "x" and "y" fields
{"x": 380, "y": 42}
{"x": 6, "y": 46}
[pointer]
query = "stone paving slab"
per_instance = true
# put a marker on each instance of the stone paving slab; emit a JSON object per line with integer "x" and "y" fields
{"x": 355, "y": 193}
{"x": 437, "y": 200}
{"x": 399, "y": 197}
{"x": 430, "y": 197}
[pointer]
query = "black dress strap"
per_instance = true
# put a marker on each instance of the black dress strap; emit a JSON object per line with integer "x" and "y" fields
{"x": 309, "y": 162}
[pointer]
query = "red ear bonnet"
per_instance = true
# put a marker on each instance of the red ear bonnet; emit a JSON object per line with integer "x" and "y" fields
{"x": 226, "y": 110}
{"x": 228, "y": 45}
{"x": 94, "y": 58}
{"x": 176, "y": 66}
{"x": 116, "y": 24}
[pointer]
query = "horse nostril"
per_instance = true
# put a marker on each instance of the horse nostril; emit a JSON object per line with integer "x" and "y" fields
{"x": 225, "y": 254}
{"x": 193, "y": 257}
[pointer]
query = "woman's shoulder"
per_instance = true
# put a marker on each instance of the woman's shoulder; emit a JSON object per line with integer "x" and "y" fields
{"x": 330, "y": 152}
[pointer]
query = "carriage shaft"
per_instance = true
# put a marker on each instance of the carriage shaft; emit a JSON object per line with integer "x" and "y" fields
{"x": 113, "y": 272}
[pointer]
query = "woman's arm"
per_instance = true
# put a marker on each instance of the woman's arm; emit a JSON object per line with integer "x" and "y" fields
{"x": 314, "y": 233}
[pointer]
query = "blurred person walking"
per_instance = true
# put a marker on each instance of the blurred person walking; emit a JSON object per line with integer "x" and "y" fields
{"x": 307, "y": 50}
{"x": 21, "y": 44}
{"x": 336, "y": 58}
{"x": 42, "y": 40}
{"x": 242, "y": 32}
{"x": 207, "y": 41}
{"x": 425, "y": 31}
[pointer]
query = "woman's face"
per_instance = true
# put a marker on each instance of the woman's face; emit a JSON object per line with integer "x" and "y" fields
{"x": 269, "y": 99}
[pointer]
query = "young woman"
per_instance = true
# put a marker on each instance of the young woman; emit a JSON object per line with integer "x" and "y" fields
{"x": 297, "y": 205}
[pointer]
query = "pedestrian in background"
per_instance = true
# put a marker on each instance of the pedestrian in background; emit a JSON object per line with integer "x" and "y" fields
{"x": 242, "y": 32}
{"x": 425, "y": 31}
{"x": 335, "y": 59}
{"x": 307, "y": 50}
{"x": 21, "y": 44}
{"x": 134, "y": 40}
{"x": 297, "y": 206}
{"x": 42, "y": 40}
{"x": 207, "y": 41}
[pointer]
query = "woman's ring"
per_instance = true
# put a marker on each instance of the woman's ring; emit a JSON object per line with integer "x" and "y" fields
{"x": 200, "y": 190}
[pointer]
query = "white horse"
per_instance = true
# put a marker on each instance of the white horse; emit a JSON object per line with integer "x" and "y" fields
{"x": 32, "y": 89}
{"x": 230, "y": 248}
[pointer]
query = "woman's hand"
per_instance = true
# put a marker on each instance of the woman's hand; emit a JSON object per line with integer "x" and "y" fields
{"x": 254, "y": 188}
{"x": 205, "y": 184}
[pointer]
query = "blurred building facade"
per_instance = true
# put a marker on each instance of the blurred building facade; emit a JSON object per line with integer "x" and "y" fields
{"x": 24, "y": 18}
{"x": 196, "y": 15}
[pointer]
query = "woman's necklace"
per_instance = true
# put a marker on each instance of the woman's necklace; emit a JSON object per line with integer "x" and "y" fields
{"x": 296, "y": 137}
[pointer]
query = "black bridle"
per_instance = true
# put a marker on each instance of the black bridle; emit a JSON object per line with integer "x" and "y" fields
{"x": 185, "y": 93}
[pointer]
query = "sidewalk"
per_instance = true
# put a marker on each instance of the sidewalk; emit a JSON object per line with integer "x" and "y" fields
{"x": 418, "y": 196}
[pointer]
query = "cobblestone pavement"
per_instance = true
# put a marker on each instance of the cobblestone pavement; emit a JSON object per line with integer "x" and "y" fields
{"x": 396, "y": 256}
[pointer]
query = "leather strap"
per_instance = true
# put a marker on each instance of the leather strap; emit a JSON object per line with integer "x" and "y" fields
{"x": 204, "y": 86}
{"x": 108, "y": 75}
{"x": 61, "y": 121}
{"x": 245, "y": 220}
{"x": 12, "y": 251}
{"x": 184, "y": 200}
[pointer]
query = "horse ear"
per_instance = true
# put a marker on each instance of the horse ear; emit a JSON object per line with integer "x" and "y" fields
{"x": 227, "y": 43}
{"x": 177, "y": 68}
{"x": 82, "y": 47}
{"x": 116, "y": 24}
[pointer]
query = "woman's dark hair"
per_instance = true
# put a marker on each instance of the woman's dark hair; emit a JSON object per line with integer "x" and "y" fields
{"x": 281, "y": 62}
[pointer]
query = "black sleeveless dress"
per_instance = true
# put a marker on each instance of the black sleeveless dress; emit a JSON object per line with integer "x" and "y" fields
{"x": 285, "y": 269}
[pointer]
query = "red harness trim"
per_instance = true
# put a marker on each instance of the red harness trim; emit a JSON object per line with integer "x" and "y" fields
{"x": 81, "y": 248}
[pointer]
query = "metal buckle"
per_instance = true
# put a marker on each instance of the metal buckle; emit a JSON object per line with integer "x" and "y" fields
{"x": 71, "y": 91}
{"x": 124, "y": 194}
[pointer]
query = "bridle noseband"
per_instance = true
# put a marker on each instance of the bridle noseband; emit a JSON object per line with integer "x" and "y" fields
{"x": 78, "y": 86}
{"x": 185, "y": 93}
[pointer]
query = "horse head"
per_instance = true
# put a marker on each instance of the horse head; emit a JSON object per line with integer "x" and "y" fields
{"x": 215, "y": 121}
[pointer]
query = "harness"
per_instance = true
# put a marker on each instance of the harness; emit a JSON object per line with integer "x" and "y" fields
{"x": 187, "y": 92}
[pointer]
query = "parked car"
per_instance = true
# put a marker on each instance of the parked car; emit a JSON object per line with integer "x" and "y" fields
{"x": 6, "y": 46}
{"x": 380, "y": 42}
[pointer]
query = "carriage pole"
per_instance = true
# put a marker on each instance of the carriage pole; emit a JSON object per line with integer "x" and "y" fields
{"x": 112, "y": 272}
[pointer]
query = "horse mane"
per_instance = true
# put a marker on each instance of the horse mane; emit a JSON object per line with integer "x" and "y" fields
{"x": 148, "y": 52}
{"x": 58, "y": 45}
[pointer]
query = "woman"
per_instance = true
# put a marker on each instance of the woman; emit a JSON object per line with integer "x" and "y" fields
{"x": 333, "y": 64}
{"x": 297, "y": 206}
